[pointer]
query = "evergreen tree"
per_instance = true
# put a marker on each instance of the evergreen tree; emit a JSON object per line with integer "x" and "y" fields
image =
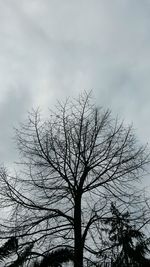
{"x": 129, "y": 245}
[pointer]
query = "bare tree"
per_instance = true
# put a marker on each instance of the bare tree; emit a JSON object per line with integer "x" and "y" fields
{"x": 73, "y": 165}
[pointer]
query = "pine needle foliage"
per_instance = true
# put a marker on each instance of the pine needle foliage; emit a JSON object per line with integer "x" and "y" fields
{"x": 130, "y": 244}
{"x": 23, "y": 257}
{"x": 8, "y": 248}
{"x": 56, "y": 258}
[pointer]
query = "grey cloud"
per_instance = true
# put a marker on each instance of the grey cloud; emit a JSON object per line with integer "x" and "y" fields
{"x": 12, "y": 111}
{"x": 52, "y": 49}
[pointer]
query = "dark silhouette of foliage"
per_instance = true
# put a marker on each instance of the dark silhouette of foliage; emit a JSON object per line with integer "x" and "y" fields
{"x": 130, "y": 244}
{"x": 55, "y": 258}
{"x": 51, "y": 259}
{"x": 8, "y": 248}
{"x": 23, "y": 256}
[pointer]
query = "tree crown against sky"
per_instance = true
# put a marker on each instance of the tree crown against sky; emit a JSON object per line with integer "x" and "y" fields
{"x": 73, "y": 165}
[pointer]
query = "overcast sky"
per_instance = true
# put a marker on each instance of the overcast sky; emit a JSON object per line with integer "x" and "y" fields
{"x": 50, "y": 49}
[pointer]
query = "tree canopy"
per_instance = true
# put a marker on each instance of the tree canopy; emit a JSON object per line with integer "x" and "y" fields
{"x": 73, "y": 165}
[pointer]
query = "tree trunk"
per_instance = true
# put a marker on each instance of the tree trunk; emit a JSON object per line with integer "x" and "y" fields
{"x": 78, "y": 244}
